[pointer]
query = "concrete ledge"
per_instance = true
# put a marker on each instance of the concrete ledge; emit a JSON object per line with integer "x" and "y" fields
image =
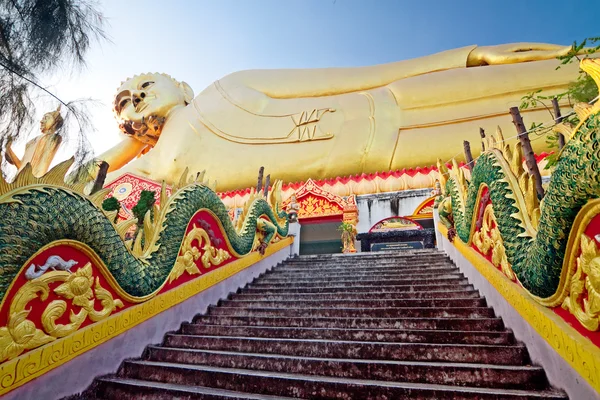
{"x": 76, "y": 375}
{"x": 560, "y": 374}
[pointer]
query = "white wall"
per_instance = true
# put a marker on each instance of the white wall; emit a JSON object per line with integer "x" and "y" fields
{"x": 373, "y": 208}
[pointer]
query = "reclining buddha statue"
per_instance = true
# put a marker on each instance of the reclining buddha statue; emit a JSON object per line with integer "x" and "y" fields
{"x": 321, "y": 123}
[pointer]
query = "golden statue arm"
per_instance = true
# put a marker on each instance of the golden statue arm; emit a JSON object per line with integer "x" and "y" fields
{"x": 514, "y": 53}
{"x": 122, "y": 153}
{"x": 116, "y": 157}
{"x": 294, "y": 83}
{"x": 11, "y": 157}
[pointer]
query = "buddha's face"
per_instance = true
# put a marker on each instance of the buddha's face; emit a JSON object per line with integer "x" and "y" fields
{"x": 150, "y": 95}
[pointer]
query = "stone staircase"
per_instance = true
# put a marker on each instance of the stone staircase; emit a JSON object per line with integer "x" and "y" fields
{"x": 367, "y": 326}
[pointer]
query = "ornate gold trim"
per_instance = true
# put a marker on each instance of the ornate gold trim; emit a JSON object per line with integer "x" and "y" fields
{"x": 28, "y": 366}
{"x": 582, "y": 220}
{"x": 488, "y": 239}
{"x": 583, "y": 300}
{"x": 22, "y": 334}
{"x": 577, "y": 350}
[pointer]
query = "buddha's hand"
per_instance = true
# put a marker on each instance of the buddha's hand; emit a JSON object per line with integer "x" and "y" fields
{"x": 515, "y": 53}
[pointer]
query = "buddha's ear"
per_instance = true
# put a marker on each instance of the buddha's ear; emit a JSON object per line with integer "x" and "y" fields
{"x": 187, "y": 91}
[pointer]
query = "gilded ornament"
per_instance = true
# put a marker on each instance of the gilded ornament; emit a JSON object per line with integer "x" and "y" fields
{"x": 21, "y": 333}
{"x": 488, "y": 239}
{"x": 190, "y": 253}
{"x": 583, "y": 300}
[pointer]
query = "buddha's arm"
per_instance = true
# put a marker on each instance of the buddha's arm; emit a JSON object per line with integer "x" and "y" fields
{"x": 292, "y": 83}
{"x": 122, "y": 153}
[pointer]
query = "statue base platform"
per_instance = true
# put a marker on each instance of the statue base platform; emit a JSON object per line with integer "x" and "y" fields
{"x": 397, "y": 240}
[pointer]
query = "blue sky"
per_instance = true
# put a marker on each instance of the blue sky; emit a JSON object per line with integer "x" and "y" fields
{"x": 201, "y": 41}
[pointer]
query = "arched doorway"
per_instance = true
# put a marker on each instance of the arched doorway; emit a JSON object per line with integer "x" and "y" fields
{"x": 320, "y": 214}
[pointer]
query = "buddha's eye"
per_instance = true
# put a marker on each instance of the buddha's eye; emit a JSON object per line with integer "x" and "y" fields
{"x": 146, "y": 84}
{"x": 123, "y": 103}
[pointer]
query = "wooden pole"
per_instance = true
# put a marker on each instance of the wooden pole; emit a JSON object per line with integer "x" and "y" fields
{"x": 261, "y": 171}
{"x": 100, "y": 178}
{"x": 558, "y": 119}
{"x": 482, "y": 134}
{"x": 267, "y": 183}
{"x": 532, "y": 166}
{"x": 468, "y": 155}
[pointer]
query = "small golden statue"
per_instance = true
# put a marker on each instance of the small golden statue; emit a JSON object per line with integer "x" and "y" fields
{"x": 348, "y": 236}
{"x": 40, "y": 151}
{"x": 292, "y": 209}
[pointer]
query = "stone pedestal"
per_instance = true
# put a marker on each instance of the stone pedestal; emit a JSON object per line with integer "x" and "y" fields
{"x": 424, "y": 236}
{"x": 294, "y": 230}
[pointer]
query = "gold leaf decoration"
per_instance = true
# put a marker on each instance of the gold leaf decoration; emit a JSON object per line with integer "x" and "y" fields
{"x": 186, "y": 262}
{"x": 488, "y": 239}
{"x": 583, "y": 300}
{"x": 21, "y": 334}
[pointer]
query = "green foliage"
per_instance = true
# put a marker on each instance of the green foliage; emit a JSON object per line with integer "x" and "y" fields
{"x": 111, "y": 204}
{"x": 143, "y": 205}
{"x": 345, "y": 227}
{"x": 583, "y": 89}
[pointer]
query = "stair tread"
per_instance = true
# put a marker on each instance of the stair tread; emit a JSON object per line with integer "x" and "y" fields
{"x": 548, "y": 393}
{"x": 192, "y": 389}
{"x": 370, "y": 330}
{"x": 354, "y": 342}
{"x": 511, "y": 367}
{"x": 377, "y": 325}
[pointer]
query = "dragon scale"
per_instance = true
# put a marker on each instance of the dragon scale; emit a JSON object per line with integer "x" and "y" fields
{"x": 537, "y": 261}
{"x": 41, "y": 215}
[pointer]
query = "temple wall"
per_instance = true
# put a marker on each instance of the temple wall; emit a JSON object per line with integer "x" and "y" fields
{"x": 373, "y": 208}
{"x": 77, "y": 374}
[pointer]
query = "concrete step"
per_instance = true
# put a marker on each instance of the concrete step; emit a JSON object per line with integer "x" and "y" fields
{"x": 457, "y": 324}
{"x": 452, "y": 285}
{"x": 367, "y": 295}
{"x": 390, "y": 279}
{"x": 513, "y": 354}
{"x": 347, "y": 312}
{"x": 356, "y": 303}
{"x": 379, "y": 326}
{"x": 362, "y": 265}
{"x": 478, "y": 375}
{"x": 112, "y": 387}
{"x": 309, "y": 386}
{"x": 383, "y": 273}
{"x": 378, "y": 335}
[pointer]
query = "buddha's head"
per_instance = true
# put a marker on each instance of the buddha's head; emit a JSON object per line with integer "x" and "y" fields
{"x": 51, "y": 122}
{"x": 144, "y": 102}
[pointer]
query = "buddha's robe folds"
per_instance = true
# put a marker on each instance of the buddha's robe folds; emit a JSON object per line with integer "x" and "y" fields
{"x": 322, "y": 123}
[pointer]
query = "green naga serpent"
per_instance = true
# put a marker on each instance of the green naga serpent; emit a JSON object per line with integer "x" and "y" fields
{"x": 536, "y": 256}
{"x": 35, "y": 212}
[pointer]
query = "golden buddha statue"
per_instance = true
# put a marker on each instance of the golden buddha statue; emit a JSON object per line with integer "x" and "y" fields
{"x": 322, "y": 123}
{"x": 40, "y": 151}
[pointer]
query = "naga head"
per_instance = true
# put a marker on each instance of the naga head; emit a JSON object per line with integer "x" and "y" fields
{"x": 143, "y": 103}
